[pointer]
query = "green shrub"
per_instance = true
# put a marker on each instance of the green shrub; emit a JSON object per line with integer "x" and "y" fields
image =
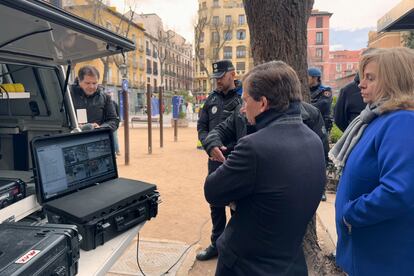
{"x": 182, "y": 115}
{"x": 335, "y": 134}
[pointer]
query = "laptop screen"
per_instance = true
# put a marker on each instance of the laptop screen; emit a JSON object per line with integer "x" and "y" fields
{"x": 73, "y": 161}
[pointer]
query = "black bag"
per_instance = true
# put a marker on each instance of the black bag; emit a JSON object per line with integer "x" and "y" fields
{"x": 77, "y": 183}
{"x": 38, "y": 250}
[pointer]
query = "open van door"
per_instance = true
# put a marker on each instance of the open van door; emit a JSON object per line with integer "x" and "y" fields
{"x": 36, "y": 41}
{"x": 35, "y": 31}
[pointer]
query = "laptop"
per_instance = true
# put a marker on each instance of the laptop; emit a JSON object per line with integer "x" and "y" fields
{"x": 77, "y": 183}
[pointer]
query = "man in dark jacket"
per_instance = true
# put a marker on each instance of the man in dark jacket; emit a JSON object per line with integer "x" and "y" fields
{"x": 236, "y": 127}
{"x": 321, "y": 96}
{"x": 275, "y": 184}
{"x": 219, "y": 105}
{"x": 90, "y": 100}
{"x": 349, "y": 104}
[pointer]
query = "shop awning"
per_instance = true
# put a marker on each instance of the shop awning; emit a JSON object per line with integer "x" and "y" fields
{"x": 399, "y": 18}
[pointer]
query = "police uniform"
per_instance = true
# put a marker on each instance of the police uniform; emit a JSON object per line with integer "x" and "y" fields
{"x": 217, "y": 108}
{"x": 321, "y": 98}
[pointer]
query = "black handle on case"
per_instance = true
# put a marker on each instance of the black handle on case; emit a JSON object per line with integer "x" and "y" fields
{"x": 122, "y": 226}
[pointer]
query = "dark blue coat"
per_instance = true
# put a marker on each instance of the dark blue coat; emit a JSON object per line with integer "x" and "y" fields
{"x": 276, "y": 185}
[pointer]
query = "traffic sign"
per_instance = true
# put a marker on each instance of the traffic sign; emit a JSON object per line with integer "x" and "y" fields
{"x": 125, "y": 84}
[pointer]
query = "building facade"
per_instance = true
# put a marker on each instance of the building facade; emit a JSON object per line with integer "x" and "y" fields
{"x": 110, "y": 68}
{"x": 169, "y": 58}
{"x": 318, "y": 42}
{"x": 386, "y": 40}
{"x": 221, "y": 32}
{"x": 341, "y": 65}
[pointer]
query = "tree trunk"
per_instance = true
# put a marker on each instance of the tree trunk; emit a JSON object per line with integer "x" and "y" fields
{"x": 278, "y": 31}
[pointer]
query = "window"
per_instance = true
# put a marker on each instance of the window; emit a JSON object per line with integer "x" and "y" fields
{"x": 240, "y": 66}
{"x": 215, "y": 37}
{"x": 109, "y": 25}
{"x": 319, "y": 53}
{"x": 227, "y": 52}
{"x": 202, "y": 37}
{"x": 241, "y": 34}
{"x": 215, "y": 3}
{"x": 242, "y": 19}
{"x": 228, "y": 20}
{"x": 134, "y": 39}
{"x": 215, "y": 21}
{"x": 155, "y": 68}
{"x": 349, "y": 66}
{"x": 201, "y": 54}
{"x": 215, "y": 53}
{"x": 227, "y": 35}
{"x": 319, "y": 22}
{"x": 149, "y": 70}
{"x": 147, "y": 48}
{"x": 109, "y": 75}
{"x": 241, "y": 51}
{"x": 338, "y": 67}
{"x": 204, "y": 5}
{"x": 319, "y": 37}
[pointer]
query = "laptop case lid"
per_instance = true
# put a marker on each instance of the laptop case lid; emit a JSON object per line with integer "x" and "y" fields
{"x": 64, "y": 164}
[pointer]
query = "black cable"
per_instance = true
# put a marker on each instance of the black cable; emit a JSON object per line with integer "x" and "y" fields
{"x": 25, "y": 35}
{"x": 8, "y": 99}
{"x": 182, "y": 255}
{"x": 139, "y": 266}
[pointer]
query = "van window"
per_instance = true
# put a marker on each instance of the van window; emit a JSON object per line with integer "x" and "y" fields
{"x": 23, "y": 90}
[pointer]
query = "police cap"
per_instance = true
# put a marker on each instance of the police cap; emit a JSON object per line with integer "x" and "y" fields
{"x": 221, "y": 67}
{"x": 314, "y": 72}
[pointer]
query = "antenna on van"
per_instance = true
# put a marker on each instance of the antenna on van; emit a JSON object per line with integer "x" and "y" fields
{"x": 25, "y": 35}
{"x": 65, "y": 85}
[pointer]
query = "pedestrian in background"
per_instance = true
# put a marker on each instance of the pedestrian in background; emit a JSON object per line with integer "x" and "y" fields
{"x": 219, "y": 105}
{"x": 349, "y": 104}
{"x": 375, "y": 197}
{"x": 274, "y": 177}
{"x": 321, "y": 98}
{"x": 91, "y": 102}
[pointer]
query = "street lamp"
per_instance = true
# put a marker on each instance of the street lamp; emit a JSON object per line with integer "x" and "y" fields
{"x": 123, "y": 69}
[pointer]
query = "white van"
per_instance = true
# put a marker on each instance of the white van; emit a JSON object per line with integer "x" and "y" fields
{"x": 38, "y": 45}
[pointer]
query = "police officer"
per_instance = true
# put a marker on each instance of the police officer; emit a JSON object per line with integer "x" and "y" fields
{"x": 219, "y": 105}
{"x": 321, "y": 98}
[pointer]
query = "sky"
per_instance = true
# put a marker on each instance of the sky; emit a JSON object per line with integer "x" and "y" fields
{"x": 350, "y": 22}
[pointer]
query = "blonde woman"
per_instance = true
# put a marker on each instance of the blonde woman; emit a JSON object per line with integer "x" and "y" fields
{"x": 375, "y": 198}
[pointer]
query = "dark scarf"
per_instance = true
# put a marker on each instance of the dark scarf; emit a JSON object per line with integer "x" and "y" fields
{"x": 270, "y": 115}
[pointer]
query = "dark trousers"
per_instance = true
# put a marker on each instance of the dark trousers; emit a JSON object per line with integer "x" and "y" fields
{"x": 218, "y": 214}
